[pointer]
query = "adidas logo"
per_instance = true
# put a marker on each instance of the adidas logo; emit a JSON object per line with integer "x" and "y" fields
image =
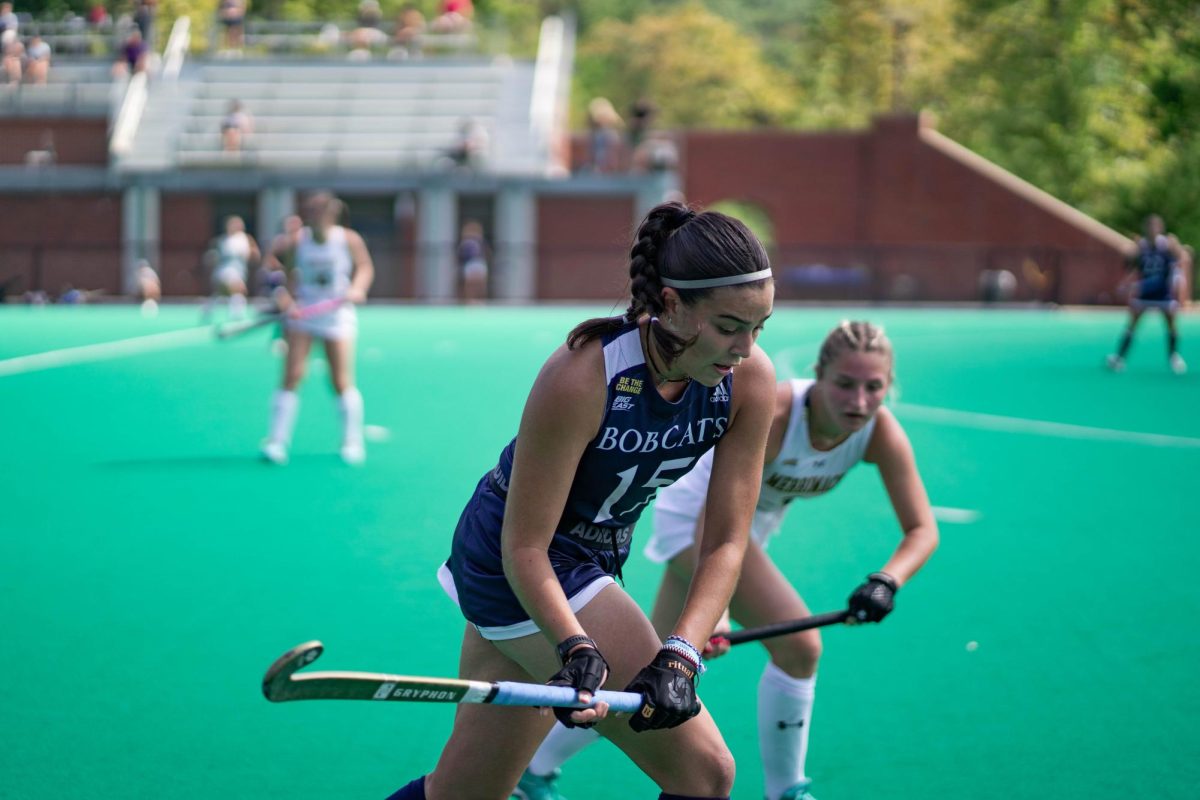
{"x": 720, "y": 394}
{"x": 622, "y": 402}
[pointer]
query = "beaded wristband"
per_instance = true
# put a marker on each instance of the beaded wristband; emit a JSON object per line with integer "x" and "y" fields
{"x": 681, "y": 646}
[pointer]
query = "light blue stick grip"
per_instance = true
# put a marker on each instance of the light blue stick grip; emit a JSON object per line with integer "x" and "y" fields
{"x": 510, "y": 693}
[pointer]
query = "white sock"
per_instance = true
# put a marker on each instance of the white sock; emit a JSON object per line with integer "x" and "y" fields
{"x": 237, "y": 306}
{"x": 560, "y": 745}
{"x": 284, "y": 407}
{"x": 784, "y": 714}
{"x": 350, "y": 406}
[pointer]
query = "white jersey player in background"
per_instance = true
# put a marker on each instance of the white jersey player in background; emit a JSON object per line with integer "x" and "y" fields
{"x": 230, "y": 259}
{"x": 327, "y": 262}
{"x": 820, "y": 430}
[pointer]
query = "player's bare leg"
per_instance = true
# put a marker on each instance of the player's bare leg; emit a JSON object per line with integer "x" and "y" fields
{"x": 1178, "y": 365}
{"x": 489, "y": 746}
{"x": 1116, "y": 361}
{"x": 285, "y": 404}
{"x": 692, "y": 759}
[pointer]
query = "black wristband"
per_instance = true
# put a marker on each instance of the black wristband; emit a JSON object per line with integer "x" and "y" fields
{"x": 885, "y": 579}
{"x": 566, "y": 645}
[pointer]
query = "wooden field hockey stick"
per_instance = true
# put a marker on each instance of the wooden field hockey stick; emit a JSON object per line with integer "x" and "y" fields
{"x": 782, "y": 628}
{"x": 280, "y": 685}
{"x": 228, "y": 330}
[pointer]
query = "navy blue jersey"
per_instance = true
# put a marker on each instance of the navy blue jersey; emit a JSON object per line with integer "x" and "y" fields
{"x": 643, "y": 444}
{"x": 1156, "y": 267}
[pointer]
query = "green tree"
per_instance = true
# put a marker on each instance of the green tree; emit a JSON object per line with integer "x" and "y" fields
{"x": 700, "y": 69}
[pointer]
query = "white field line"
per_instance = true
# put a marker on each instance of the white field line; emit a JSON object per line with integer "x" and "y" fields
{"x": 960, "y": 516}
{"x": 1037, "y": 427}
{"x": 104, "y": 350}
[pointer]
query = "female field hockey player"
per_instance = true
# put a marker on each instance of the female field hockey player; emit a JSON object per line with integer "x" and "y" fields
{"x": 821, "y": 429}
{"x": 327, "y": 262}
{"x": 1157, "y": 282}
{"x": 231, "y": 256}
{"x": 626, "y": 406}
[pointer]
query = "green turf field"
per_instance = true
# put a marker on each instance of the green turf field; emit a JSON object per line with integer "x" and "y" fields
{"x": 151, "y": 567}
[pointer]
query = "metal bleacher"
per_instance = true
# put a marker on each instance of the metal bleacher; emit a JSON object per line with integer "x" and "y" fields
{"x": 310, "y": 112}
{"x": 73, "y": 90}
{"x": 321, "y": 115}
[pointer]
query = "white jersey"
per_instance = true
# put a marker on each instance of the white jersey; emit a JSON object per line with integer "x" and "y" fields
{"x": 800, "y": 470}
{"x": 323, "y": 272}
{"x": 233, "y": 253}
{"x": 323, "y": 269}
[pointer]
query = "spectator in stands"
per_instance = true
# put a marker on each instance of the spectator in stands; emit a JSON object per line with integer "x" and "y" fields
{"x": 143, "y": 18}
{"x": 46, "y": 155}
{"x": 232, "y": 16}
{"x": 236, "y": 125}
{"x": 604, "y": 135}
{"x": 657, "y": 151}
{"x": 641, "y": 119}
{"x": 37, "y": 61}
{"x": 13, "y": 61}
{"x": 369, "y": 14}
{"x": 134, "y": 55}
{"x": 8, "y": 24}
{"x": 473, "y": 262}
{"x": 98, "y": 16}
{"x": 410, "y": 26}
{"x": 454, "y": 16}
{"x": 471, "y": 148}
{"x": 368, "y": 33}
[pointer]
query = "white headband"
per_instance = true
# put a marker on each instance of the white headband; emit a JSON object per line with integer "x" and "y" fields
{"x": 711, "y": 283}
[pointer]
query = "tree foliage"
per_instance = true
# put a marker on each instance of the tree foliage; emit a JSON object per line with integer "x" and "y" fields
{"x": 699, "y": 68}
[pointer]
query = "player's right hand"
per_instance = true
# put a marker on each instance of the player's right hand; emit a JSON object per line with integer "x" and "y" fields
{"x": 668, "y": 685}
{"x": 585, "y": 670}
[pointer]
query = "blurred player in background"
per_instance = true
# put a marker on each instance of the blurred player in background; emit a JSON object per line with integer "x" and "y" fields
{"x": 328, "y": 262}
{"x": 473, "y": 262}
{"x": 149, "y": 289}
{"x": 821, "y": 429}
{"x": 1155, "y": 282}
{"x": 627, "y": 405}
{"x": 230, "y": 257}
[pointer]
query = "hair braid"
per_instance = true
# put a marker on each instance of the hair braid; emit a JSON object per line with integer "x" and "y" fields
{"x": 666, "y": 245}
{"x": 859, "y": 336}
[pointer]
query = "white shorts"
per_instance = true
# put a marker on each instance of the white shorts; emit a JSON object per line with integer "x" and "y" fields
{"x": 226, "y": 277}
{"x": 675, "y": 532}
{"x": 337, "y": 325}
{"x": 475, "y": 268}
{"x": 525, "y": 627}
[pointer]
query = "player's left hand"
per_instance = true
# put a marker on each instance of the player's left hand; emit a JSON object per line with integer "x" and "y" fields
{"x": 668, "y": 684}
{"x": 873, "y": 600}
{"x": 355, "y": 295}
{"x": 717, "y": 645}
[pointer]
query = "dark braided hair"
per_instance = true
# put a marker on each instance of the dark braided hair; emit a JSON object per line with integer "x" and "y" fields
{"x": 674, "y": 241}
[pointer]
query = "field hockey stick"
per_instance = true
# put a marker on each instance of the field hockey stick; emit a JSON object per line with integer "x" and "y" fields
{"x": 228, "y": 330}
{"x": 280, "y": 685}
{"x": 782, "y": 628}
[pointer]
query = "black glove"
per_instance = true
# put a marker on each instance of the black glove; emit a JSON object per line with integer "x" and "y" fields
{"x": 872, "y": 601}
{"x": 669, "y": 686}
{"x": 583, "y": 670}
